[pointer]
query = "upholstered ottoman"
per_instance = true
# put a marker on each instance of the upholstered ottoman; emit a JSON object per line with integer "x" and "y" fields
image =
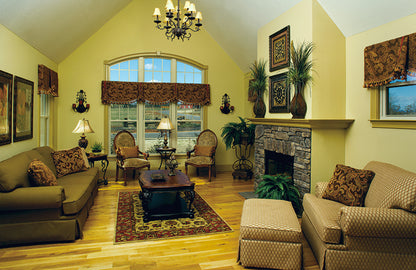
{"x": 270, "y": 235}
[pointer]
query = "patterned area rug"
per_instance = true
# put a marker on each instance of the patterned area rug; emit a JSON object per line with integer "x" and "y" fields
{"x": 130, "y": 225}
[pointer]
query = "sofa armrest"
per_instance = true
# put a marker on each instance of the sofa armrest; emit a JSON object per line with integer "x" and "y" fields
{"x": 320, "y": 188}
{"x": 32, "y": 198}
{"x": 377, "y": 222}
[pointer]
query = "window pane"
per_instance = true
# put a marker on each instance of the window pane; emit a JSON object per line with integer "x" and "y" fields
{"x": 124, "y": 65}
{"x": 401, "y": 101}
{"x": 180, "y": 66}
{"x": 148, "y": 63}
{"x": 124, "y": 75}
{"x": 189, "y": 126}
{"x": 189, "y": 77}
{"x": 180, "y": 78}
{"x": 157, "y": 77}
{"x": 166, "y": 65}
{"x": 148, "y": 76}
{"x": 116, "y": 66}
{"x": 134, "y": 64}
{"x": 114, "y": 76}
{"x": 157, "y": 64}
{"x": 166, "y": 77}
{"x": 198, "y": 77}
{"x": 134, "y": 76}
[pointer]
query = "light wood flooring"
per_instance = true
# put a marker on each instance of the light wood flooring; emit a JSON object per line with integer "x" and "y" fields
{"x": 97, "y": 250}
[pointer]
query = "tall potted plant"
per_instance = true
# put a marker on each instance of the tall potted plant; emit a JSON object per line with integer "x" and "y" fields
{"x": 299, "y": 74}
{"x": 258, "y": 86}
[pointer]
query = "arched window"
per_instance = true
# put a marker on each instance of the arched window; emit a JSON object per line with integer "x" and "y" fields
{"x": 142, "y": 119}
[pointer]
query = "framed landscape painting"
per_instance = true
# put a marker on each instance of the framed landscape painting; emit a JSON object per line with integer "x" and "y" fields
{"x": 6, "y": 80}
{"x": 23, "y": 109}
{"x": 279, "y": 49}
{"x": 279, "y": 94}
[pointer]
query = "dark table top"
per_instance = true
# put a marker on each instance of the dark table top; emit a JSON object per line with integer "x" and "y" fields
{"x": 178, "y": 181}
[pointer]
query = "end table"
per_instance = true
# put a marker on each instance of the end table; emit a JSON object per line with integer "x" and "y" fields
{"x": 92, "y": 158}
{"x": 165, "y": 154}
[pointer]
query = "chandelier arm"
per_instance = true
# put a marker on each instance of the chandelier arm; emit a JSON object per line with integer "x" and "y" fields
{"x": 194, "y": 30}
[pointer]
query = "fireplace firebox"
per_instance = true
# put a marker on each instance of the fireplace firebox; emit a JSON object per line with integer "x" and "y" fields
{"x": 278, "y": 163}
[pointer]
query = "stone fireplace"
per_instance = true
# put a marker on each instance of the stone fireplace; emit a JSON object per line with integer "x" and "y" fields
{"x": 289, "y": 148}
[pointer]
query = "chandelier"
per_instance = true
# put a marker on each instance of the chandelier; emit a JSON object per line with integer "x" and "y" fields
{"x": 174, "y": 25}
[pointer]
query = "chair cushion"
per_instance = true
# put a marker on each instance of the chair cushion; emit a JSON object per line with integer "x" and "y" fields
{"x": 348, "y": 185}
{"x": 199, "y": 160}
{"x": 13, "y": 172}
{"x": 324, "y": 216}
{"x": 135, "y": 163}
{"x": 40, "y": 174}
{"x": 68, "y": 161}
{"x": 204, "y": 150}
{"x": 128, "y": 152}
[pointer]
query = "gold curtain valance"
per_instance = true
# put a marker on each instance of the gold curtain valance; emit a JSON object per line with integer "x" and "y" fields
{"x": 47, "y": 81}
{"x": 389, "y": 60}
{"x": 115, "y": 92}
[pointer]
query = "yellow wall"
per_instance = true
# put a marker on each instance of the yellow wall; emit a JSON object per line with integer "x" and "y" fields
{"x": 20, "y": 59}
{"x": 132, "y": 31}
{"x": 364, "y": 143}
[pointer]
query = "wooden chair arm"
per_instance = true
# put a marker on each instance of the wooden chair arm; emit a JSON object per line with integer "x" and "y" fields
{"x": 145, "y": 155}
{"x": 188, "y": 154}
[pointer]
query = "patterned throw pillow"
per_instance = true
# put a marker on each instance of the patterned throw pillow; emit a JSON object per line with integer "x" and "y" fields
{"x": 204, "y": 150}
{"x": 68, "y": 161}
{"x": 348, "y": 185}
{"x": 128, "y": 152}
{"x": 402, "y": 193}
{"x": 40, "y": 174}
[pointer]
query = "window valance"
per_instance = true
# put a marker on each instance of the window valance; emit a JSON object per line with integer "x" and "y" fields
{"x": 47, "y": 81}
{"x": 115, "y": 92}
{"x": 389, "y": 60}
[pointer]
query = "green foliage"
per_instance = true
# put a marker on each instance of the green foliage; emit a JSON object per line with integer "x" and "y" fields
{"x": 300, "y": 65}
{"x": 279, "y": 187}
{"x": 258, "y": 72}
{"x": 235, "y": 133}
{"x": 97, "y": 147}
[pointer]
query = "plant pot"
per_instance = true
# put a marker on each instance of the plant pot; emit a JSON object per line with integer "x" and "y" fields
{"x": 298, "y": 106}
{"x": 259, "y": 108}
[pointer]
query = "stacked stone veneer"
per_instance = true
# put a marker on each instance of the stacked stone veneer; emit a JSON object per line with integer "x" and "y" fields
{"x": 291, "y": 141}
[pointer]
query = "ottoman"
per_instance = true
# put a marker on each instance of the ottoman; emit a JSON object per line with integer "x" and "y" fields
{"x": 270, "y": 235}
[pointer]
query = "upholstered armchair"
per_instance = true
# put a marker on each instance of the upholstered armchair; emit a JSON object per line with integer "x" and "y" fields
{"x": 128, "y": 155}
{"x": 203, "y": 154}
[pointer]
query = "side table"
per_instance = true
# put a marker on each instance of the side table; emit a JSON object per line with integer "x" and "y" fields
{"x": 165, "y": 154}
{"x": 92, "y": 158}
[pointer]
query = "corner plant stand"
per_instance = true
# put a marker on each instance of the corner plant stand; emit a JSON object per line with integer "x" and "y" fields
{"x": 242, "y": 166}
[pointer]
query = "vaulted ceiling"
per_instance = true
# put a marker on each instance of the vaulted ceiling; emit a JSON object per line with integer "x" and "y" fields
{"x": 57, "y": 27}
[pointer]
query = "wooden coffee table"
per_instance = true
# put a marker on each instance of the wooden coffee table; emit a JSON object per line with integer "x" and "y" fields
{"x": 161, "y": 198}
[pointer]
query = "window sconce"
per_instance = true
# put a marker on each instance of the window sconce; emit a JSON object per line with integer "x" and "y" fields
{"x": 80, "y": 104}
{"x": 226, "y": 107}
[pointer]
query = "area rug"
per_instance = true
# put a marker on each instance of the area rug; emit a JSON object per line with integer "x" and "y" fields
{"x": 130, "y": 225}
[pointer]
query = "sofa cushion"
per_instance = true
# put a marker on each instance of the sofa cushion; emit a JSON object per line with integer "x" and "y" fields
{"x": 68, "y": 161}
{"x": 78, "y": 189}
{"x": 204, "y": 150}
{"x": 392, "y": 187}
{"x": 46, "y": 157}
{"x": 13, "y": 172}
{"x": 135, "y": 163}
{"x": 40, "y": 174}
{"x": 324, "y": 216}
{"x": 348, "y": 185}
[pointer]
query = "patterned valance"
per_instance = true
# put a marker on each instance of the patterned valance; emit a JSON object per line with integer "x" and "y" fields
{"x": 47, "y": 81}
{"x": 389, "y": 60}
{"x": 114, "y": 92}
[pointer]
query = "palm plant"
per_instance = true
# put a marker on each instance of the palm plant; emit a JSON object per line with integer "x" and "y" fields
{"x": 258, "y": 85}
{"x": 279, "y": 187}
{"x": 238, "y": 133}
{"x": 299, "y": 70}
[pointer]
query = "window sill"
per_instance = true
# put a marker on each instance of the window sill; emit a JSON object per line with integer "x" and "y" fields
{"x": 400, "y": 124}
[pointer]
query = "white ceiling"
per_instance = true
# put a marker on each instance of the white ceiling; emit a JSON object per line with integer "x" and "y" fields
{"x": 232, "y": 23}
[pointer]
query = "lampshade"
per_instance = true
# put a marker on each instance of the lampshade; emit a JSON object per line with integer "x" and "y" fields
{"x": 83, "y": 127}
{"x": 165, "y": 124}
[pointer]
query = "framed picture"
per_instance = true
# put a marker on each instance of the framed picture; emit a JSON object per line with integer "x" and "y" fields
{"x": 6, "y": 80}
{"x": 279, "y": 94}
{"x": 279, "y": 49}
{"x": 22, "y": 110}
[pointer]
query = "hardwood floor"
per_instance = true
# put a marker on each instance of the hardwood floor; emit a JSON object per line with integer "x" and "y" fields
{"x": 97, "y": 251}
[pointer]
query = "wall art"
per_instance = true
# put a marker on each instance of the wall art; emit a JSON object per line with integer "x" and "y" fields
{"x": 279, "y": 49}
{"x": 23, "y": 109}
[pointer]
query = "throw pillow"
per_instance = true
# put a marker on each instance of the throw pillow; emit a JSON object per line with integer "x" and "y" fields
{"x": 204, "y": 150}
{"x": 85, "y": 158}
{"x": 402, "y": 193}
{"x": 40, "y": 174}
{"x": 128, "y": 152}
{"x": 68, "y": 161}
{"x": 348, "y": 185}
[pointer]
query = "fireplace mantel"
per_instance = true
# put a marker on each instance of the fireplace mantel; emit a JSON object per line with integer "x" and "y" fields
{"x": 305, "y": 123}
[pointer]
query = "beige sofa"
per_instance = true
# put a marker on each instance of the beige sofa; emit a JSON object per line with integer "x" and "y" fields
{"x": 30, "y": 214}
{"x": 380, "y": 235}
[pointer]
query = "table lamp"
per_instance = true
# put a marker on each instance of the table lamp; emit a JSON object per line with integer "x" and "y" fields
{"x": 165, "y": 126}
{"x": 83, "y": 127}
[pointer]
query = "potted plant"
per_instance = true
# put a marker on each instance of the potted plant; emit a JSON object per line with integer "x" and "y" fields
{"x": 97, "y": 147}
{"x": 279, "y": 187}
{"x": 257, "y": 87}
{"x": 299, "y": 75}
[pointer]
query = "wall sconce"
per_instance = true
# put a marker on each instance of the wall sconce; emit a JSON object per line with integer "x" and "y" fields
{"x": 80, "y": 104}
{"x": 226, "y": 107}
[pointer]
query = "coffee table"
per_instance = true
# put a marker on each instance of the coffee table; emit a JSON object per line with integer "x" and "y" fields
{"x": 170, "y": 197}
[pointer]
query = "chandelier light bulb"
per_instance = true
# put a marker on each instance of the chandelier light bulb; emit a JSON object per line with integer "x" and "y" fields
{"x": 187, "y": 5}
{"x": 192, "y": 8}
{"x": 169, "y": 6}
{"x": 157, "y": 12}
{"x": 198, "y": 16}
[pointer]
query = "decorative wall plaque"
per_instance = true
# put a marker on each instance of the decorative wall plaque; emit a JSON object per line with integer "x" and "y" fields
{"x": 279, "y": 94}
{"x": 279, "y": 46}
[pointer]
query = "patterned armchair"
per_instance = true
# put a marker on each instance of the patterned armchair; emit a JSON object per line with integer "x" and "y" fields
{"x": 379, "y": 235}
{"x": 128, "y": 154}
{"x": 203, "y": 153}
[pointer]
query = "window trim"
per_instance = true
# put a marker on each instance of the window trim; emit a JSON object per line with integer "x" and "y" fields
{"x": 141, "y": 57}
